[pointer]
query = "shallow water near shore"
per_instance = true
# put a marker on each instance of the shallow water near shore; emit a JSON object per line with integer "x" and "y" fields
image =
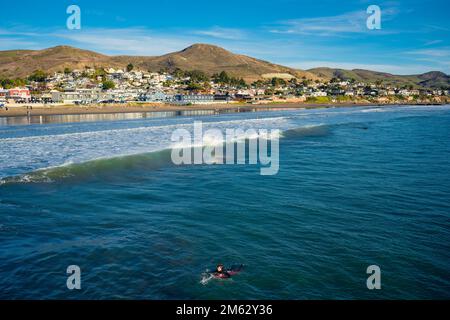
{"x": 356, "y": 187}
{"x": 115, "y": 116}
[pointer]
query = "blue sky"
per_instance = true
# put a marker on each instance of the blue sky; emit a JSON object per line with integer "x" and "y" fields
{"x": 414, "y": 37}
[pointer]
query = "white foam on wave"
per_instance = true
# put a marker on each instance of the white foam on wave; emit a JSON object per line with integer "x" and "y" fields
{"x": 140, "y": 129}
{"x": 380, "y": 109}
{"x": 206, "y": 277}
{"x": 210, "y": 140}
{"x": 35, "y": 153}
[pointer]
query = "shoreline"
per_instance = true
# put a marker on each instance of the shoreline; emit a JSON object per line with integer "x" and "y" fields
{"x": 22, "y": 111}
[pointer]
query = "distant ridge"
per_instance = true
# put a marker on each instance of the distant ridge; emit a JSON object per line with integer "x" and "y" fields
{"x": 207, "y": 58}
{"x": 433, "y": 79}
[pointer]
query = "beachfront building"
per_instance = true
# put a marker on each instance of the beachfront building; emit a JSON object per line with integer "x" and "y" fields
{"x": 96, "y": 95}
{"x": 222, "y": 98}
{"x": 201, "y": 99}
{"x": 123, "y": 95}
{"x": 158, "y": 96}
{"x": 194, "y": 99}
{"x": 19, "y": 94}
{"x": 3, "y": 93}
{"x": 78, "y": 96}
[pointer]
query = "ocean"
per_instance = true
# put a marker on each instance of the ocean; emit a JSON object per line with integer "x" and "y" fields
{"x": 356, "y": 187}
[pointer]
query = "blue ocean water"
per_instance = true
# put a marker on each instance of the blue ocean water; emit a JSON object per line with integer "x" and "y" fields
{"x": 356, "y": 187}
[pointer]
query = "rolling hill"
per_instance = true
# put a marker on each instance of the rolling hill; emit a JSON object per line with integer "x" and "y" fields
{"x": 21, "y": 63}
{"x": 207, "y": 58}
{"x": 212, "y": 59}
{"x": 433, "y": 79}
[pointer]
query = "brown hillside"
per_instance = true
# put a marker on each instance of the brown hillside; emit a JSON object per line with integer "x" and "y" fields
{"x": 207, "y": 58}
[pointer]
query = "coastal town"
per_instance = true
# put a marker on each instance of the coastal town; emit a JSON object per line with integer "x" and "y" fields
{"x": 97, "y": 86}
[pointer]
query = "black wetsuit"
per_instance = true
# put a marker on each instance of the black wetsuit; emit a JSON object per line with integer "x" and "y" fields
{"x": 222, "y": 275}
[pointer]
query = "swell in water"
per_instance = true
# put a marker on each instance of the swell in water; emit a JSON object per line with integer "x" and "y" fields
{"x": 146, "y": 160}
{"x": 49, "y": 153}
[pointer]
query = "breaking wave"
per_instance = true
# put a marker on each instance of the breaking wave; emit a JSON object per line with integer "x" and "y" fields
{"x": 108, "y": 166}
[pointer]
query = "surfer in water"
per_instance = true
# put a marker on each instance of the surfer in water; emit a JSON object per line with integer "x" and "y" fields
{"x": 226, "y": 274}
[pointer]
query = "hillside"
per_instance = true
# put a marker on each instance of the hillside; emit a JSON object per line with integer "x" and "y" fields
{"x": 207, "y": 58}
{"x": 212, "y": 59}
{"x": 21, "y": 63}
{"x": 433, "y": 79}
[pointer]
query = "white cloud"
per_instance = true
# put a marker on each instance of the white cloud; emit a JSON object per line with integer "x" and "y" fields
{"x": 433, "y": 42}
{"x": 350, "y": 22}
{"x": 222, "y": 33}
{"x": 133, "y": 41}
{"x": 436, "y": 53}
{"x": 12, "y": 43}
{"x": 142, "y": 41}
{"x": 13, "y": 32}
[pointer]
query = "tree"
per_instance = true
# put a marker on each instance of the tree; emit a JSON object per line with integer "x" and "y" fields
{"x": 11, "y": 83}
{"x": 242, "y": 83}
{"x": 107, "y": 85}
{"x": 259, "y": 84}
{"x": 334, "y": 80}
{"x": 178, "y": 73}
{"x": 278, "y": 82}
{"x": 223, "y": 77}
{"x": 38, "y": 76}
{"x": 130, "y": 67}
{"x": 67, "y": 70}
{"x": 193, "y": 86}
{"x": 167, "y": 83}
{"x": 99, "y": 72}
{"x": 197, "y": 76}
